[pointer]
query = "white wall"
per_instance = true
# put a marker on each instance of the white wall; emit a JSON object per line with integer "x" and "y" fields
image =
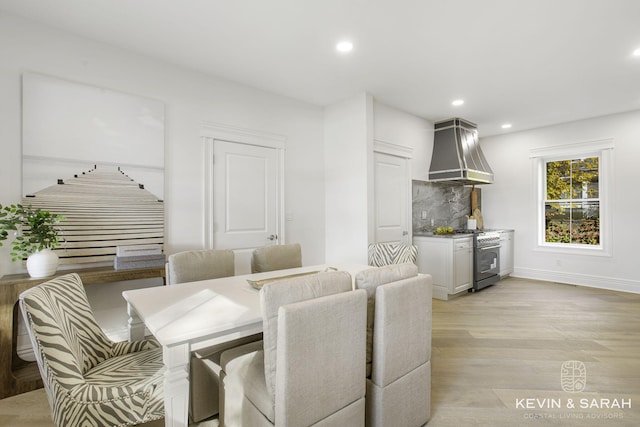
{"x": 509, "y": 202}
{"x": 399, "y": 128}
{"x": 351, "y": 127}
{"x": 190, "y": 99}
{"x": 348, "y": 144}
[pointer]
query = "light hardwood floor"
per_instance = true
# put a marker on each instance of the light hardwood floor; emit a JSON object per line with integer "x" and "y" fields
{"x": 506, "y": 343}
{"x": 495, "y": 349}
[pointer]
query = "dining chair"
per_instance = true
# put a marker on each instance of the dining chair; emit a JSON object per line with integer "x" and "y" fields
{"x": 89, "y": 379}
{"x": 277, "y": 257}
{"x": 398, "y": 345}
{"x": 387, "y": 253}
{"x": 191, "y": 266}
{"x": 310, "y": 368}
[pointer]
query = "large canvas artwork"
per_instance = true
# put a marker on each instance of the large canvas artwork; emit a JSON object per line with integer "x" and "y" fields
{"x": 95, "y": 156}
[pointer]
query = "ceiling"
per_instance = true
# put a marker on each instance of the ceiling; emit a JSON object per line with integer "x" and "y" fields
{"x": 531, "y": 64}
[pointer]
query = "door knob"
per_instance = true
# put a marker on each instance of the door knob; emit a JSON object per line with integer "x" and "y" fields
{"x": 272, "y": 237}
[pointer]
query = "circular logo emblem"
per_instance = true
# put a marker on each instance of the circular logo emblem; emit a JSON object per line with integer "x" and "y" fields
{"x": 573, "y": 376}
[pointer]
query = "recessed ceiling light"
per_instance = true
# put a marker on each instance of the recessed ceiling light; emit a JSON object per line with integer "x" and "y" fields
{"x": 457, "y": 102}
{"x": 636, "y": 52}
{"x": 344, "y": 46}
{"x": 506, "y": 126}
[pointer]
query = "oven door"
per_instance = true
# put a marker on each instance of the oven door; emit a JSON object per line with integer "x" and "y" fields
{"x": 487, "y": 263}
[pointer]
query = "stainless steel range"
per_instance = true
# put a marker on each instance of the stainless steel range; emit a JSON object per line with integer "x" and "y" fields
{"x": 486, "y": 259}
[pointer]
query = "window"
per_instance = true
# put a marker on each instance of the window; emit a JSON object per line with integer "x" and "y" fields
{"x": 573, "y": 197}
{"x": 572, "y": 203}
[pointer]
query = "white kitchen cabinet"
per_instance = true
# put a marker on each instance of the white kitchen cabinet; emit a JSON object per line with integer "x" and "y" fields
{"x": 462, "y": 264}
{"x": 449, "y": 260}
{"x": 506, "y": 252}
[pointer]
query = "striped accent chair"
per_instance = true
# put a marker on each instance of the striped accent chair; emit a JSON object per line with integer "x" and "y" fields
{"x": 89, "y": 379}
{"x": 381, "y": 254}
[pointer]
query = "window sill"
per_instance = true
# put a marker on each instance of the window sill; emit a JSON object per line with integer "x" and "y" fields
{"x": 581, "y": 250}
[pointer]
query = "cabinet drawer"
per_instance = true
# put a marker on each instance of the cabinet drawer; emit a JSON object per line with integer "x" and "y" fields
{"x": 462, "y": 245}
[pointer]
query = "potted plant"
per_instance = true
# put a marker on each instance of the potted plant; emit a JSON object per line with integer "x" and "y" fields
{"x": 36, "y": 234}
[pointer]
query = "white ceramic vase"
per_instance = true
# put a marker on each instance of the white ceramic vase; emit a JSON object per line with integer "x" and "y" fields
{"x": 42, "y": 264}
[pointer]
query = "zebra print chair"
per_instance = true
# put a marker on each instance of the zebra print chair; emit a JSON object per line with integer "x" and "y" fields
{"x": 381, "y": 254}
{"x": 89, "y": 379}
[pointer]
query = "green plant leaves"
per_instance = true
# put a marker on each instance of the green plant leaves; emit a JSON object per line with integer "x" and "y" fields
{"x": 35, "y": 229}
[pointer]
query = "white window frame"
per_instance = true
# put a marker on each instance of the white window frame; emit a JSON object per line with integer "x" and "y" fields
{"x": 604, "y": 151}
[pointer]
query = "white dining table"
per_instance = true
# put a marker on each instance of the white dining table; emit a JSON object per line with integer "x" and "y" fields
{"x": 188, "y": 316}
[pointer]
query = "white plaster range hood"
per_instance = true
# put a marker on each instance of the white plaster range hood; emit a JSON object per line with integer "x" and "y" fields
{"x": 457, "y": 156}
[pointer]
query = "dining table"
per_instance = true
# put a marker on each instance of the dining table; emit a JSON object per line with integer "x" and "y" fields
{"x": 188, "y": 316}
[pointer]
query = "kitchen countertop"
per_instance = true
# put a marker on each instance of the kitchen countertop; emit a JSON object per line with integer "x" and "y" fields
{"x": 455, "y": 235}
{"x": 442, "y": 236}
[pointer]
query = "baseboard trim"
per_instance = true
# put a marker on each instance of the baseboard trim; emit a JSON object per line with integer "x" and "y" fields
{"x": 591, "y": 281}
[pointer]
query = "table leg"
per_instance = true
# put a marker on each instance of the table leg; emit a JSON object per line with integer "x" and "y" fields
{"x": 176, "y": 385}
{"x": 136, "y": 325}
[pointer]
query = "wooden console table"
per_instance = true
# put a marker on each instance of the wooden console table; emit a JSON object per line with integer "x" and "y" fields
{"x": 19, "y": 376}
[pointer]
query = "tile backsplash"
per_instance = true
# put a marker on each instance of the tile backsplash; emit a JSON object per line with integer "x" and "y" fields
{"x": 438, "y": 204}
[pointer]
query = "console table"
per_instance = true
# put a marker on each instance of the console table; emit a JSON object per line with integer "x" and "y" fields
{"x": 19, "y": 376}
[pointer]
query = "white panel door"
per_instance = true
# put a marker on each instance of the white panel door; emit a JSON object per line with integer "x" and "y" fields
{"x": 392, "y": 193}
{"x": 245, "y": 199}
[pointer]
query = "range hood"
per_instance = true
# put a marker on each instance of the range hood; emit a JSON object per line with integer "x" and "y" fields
{"x": 457, "y": 156}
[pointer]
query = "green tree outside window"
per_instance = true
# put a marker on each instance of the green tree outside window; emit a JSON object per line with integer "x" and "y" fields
{"x": 572, "y": 205}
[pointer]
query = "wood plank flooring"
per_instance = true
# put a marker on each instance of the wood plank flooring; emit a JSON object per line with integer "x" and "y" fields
{"x": 496, "y": 351}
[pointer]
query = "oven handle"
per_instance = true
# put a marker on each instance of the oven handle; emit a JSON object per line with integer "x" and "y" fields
{"x": 489, "y": 247}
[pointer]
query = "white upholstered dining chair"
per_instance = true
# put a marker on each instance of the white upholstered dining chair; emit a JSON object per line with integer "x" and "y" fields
{"x": 310, "y": 368}
{"x": 398, "y": 345}
{"x": 190, "y": 266}
{"x": 277, "y": 257}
